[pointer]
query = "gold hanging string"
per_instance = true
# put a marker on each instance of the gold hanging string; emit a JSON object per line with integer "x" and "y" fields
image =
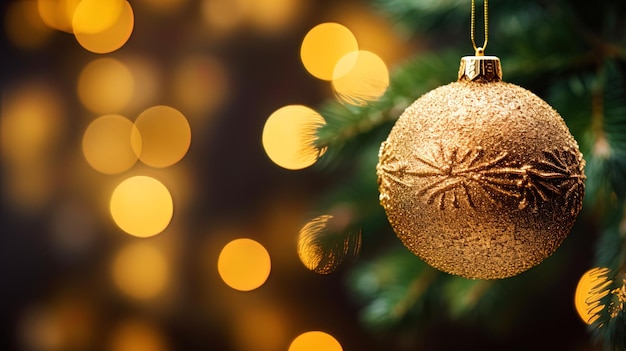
{"x": 480, "y": 50}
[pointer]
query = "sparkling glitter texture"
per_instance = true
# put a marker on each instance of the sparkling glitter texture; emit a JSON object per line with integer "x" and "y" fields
{"x": 481, "y": 179}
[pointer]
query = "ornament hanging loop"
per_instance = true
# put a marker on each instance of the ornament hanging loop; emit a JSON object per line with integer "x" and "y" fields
{"x": 479, "y": 50}
{"x": 480, "y": 68}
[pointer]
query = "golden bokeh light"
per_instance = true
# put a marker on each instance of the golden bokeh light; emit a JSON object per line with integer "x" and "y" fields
{"x": 224, "y": 15}
{"x": 34, "y": 126}
{"x": 42, "y": 330}
{"x": 30, "y": 131}
{"x": 136, "y": 335}
{"x": 141, "y": 206}
{"x": 111, "y": 38}
{"x": 140, "y": 270}
{"x": 267, "y": 16}
{"x": 374, "y": 31}
{"x": 260, "y": 327}
{"x": 96, "y": 16}
{"x": 360, "y": 77}
{"x": 323, "y": 46}
{"x": 147, "y": 80}
{"x": 315, "y": 341}
{"x": 275, "y": 15}
{"x": 58, "y": 14}
{"x": 289, "y": 136}
{"x": 23, "y": 25}
{"x": 67, "y": 321}
{"x": 109, "y": 143}
{"x": 591, "y": 287}
{"x": 325, "y": 241}
{"x": 105, "y": 85}
{"x": 165, "y": 136}
{"x": 244, "y": 264}
{"x": 200, "y": 84}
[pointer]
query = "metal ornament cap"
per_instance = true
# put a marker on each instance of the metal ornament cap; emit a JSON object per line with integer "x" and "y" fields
{"x": 482, "y": 69}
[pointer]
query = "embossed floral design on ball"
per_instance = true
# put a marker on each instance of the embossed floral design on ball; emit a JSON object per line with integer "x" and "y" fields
{"x": 453, "y": 175}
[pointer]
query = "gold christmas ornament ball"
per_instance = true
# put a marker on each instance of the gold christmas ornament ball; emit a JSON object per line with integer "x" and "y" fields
{"x": 481, "y": 178}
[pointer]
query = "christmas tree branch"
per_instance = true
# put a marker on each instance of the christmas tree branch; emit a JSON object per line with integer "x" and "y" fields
{"x": 608, "y": 128}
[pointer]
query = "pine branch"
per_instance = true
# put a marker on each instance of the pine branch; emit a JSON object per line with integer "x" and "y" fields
{"x": 608, "y": 328}
{"x": 426, "y": 15}
{"x": 596, "y": 108}
{"x": 394, "y": 288}
{"x": 614, "y": 103}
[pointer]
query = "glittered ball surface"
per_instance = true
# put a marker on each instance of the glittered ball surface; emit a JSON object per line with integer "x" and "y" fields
{"x": 481, "y": 180}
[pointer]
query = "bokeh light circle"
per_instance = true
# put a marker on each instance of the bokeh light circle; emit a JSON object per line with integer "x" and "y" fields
{"x": 140, "y": 270}
{"x": 375, "y": 31}
{"x": 273, "y": 16}
{"x": 224, "y": 15}
{"x": 111, "y": 38}
{"x": 165, "y": 135}
{"x": 323, "y": 46}
{"x": 200, "y": 84}
{"x": 96, "y": 16}
{"x": 58, "y": 14}
{"x": 148, "y": 80}
{"x": 34, "y": 129}
{"x": 108, "y": 144}
{"x": 30, "y": 131}
{"x": 136, "y": 335}
{"x": 289, "y": 136}
{"x": 360, "y": 77}
{"x": 105, "y": 85}
{"x": 590, "y": 288}
{"x": 244, "y": 264}
{"x": 325, "y": 241}
{"x": 315, "y": 341}
{"x": 141, "y": 206}
{"x": 260, "y": 327}
{"x": 63, "y": 320}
